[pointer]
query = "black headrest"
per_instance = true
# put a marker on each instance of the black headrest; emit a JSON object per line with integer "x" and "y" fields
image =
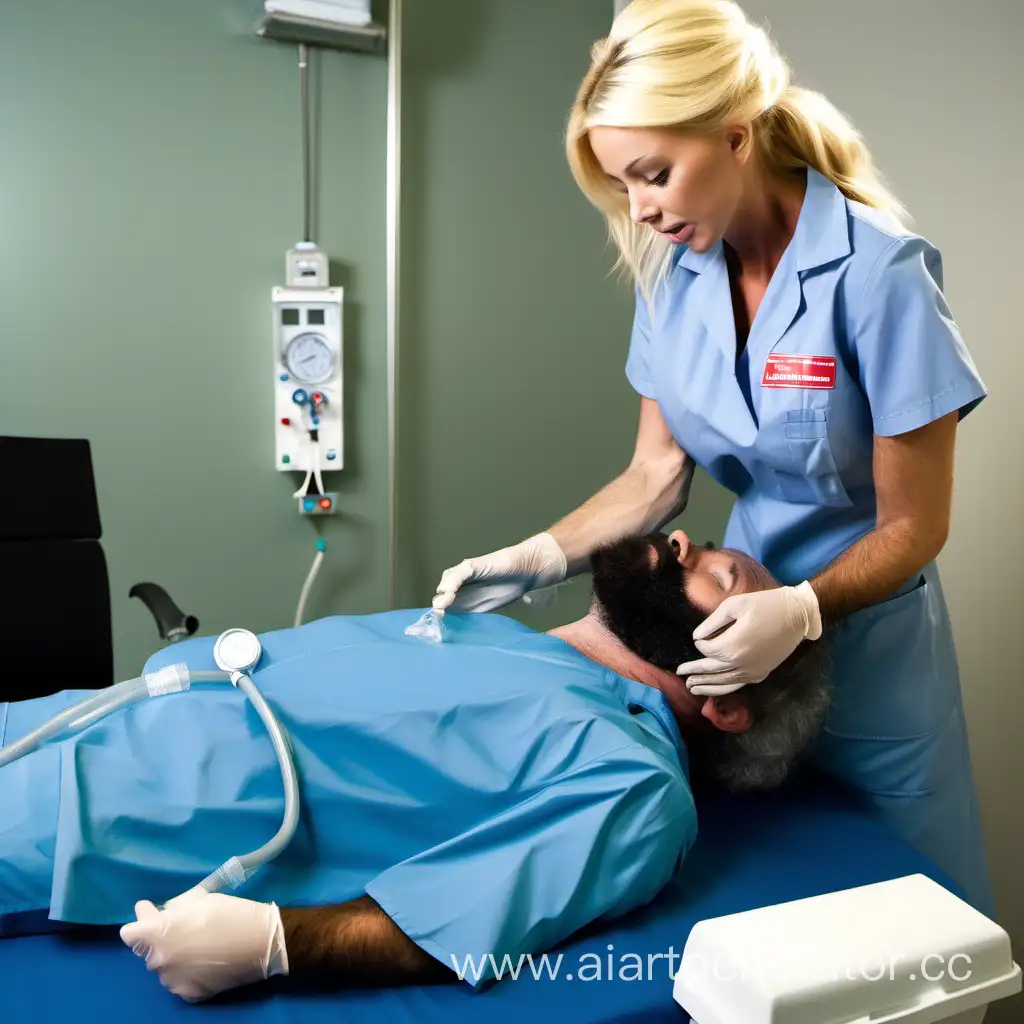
{"x": 47, "y": 491}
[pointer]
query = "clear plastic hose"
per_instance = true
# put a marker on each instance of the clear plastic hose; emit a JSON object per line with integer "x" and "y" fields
{"x": 68, "y": 720}
{"x": 318, "y": 559}
{"x": 172, "y": 679}
{"x": 90, "y": 716}
{"x": 232, "y": 873}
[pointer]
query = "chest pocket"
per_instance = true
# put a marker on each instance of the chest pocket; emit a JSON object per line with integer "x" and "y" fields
{"x": 809, "y": 475}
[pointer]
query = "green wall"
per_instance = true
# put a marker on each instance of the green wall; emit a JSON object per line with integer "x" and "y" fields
{"x": 151, "y": 180}
{"x": 514, "y": 403}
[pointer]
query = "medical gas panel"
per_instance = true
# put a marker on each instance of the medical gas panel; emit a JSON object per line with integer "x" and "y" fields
{"x": 308, "y": 392}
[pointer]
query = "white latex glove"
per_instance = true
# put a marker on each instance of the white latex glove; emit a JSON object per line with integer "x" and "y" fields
{"x": 749, "y": 635}
{"x": 492, "y": 581}
{"x": 204, "y": 943}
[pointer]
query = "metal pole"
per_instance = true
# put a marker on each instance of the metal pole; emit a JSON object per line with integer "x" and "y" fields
{"x": 307, "y": 227}
{"x": 394, "y": 183}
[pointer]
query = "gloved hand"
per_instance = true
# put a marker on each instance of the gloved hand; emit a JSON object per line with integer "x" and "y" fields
{"x": 494, "y": 580}
{"x": 749, "y": 635}
{"x": 205, "y": 943}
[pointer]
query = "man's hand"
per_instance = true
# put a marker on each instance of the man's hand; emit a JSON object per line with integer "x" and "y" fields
{"x": 204, "y": 943}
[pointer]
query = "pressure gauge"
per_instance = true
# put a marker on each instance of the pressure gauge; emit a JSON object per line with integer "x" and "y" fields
{"x": 309, "y": 358}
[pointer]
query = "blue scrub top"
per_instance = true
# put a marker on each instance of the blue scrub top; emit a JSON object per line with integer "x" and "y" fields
{"x": 493, "y": 794}
{"x": 794, "y": 441}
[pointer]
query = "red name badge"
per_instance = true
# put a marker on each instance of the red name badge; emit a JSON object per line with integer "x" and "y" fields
{"x": 800, "y": 372}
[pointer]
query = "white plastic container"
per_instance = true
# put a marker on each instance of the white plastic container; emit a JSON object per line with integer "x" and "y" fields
{"x": 906, "y": 950}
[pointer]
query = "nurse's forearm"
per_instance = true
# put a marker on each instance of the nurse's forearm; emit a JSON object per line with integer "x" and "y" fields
{"x": 355, "y": 943}
{"x": 871, "y": 570}
{"x": 913, "y": 475}
{"x": 645, "y": 497}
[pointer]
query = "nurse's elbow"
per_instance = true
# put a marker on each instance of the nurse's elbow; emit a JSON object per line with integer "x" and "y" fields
{"x": 933, "y": 532}
{"x": 685, "y": 481}
{"x": 666, "y": 478}
{"x": 926, "y": 538}
{"x": 936, "y": 540}
{"x": 677, "y": 481}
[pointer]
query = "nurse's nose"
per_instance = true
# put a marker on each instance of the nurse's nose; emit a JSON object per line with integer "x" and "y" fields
{"x": 685, "y": 551}
{"x": 640, "y": 212}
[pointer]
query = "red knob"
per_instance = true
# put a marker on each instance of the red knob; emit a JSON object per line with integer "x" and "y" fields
{"x": 285, "y": 422}
{"x": 325, "y": 502}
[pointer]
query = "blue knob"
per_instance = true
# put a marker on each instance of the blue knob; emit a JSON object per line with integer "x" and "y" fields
{"x": 299, "y": 397}
{"x": 284, "y": 376}
{"x": 309, "y": 504}
{"x": 332, "y": 455}
{"x": 316, "y": 421}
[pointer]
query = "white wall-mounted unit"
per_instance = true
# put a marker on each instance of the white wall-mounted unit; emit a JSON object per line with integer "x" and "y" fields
{"x": 337, "y": 24}
{"x": 308, "y": 392}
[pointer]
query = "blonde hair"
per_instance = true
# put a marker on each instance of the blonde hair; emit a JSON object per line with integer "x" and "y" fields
{"x": 700, "y": 65}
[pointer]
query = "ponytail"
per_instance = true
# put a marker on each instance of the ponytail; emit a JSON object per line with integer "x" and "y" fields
{"x": 803, "y": 129}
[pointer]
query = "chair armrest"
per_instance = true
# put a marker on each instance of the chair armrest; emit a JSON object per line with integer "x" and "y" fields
{"x": 171, "y": 621}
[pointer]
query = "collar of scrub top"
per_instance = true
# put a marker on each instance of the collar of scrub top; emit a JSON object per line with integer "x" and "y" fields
{"x": 822, "y": 236}
{"x": 651, "y": 699}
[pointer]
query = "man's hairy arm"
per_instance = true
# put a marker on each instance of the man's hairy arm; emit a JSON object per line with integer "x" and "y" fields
{"x": 355, "y": 943}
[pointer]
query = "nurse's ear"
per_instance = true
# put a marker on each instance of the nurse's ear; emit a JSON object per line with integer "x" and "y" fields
{"x": 727, "y": 713}
{"x": 740, "y": 139}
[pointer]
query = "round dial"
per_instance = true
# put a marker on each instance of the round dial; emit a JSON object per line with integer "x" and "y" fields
{"x": 309, "y": 358}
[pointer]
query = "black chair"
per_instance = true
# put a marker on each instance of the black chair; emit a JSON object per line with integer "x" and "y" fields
{"x": 55, "y": 626}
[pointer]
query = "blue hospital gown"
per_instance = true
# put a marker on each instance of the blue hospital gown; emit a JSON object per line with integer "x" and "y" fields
{"x": 493, "y": 794}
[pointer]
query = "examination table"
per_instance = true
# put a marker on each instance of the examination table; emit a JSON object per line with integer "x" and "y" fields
{"x": 752, "y": 850}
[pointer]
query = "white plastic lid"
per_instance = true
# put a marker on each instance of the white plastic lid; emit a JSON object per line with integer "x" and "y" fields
{"x": 905, "y": 950}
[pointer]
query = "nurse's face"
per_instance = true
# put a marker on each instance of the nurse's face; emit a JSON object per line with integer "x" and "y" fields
{"x": 655, "y": 591}
{"x": 684, "y": 185}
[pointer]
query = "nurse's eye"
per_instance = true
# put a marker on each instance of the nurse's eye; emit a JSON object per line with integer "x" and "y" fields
{"x": 660, "y": 180}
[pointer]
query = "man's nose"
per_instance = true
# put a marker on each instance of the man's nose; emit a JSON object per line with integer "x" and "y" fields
{"x": 684, "y": 550}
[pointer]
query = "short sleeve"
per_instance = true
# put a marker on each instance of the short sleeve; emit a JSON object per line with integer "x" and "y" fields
{"x": 600, "y": 841}
{"x": 638, "y": 364}
{"x": 912, "y": 362}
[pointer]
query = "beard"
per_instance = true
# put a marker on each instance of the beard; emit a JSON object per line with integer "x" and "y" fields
{"x": 646, "y": 606}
